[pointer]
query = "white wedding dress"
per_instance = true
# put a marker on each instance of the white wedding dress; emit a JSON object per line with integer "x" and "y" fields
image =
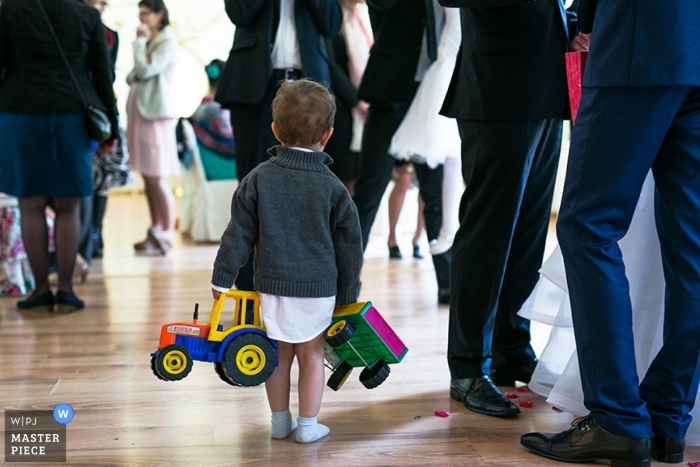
{"x": 424, "y": 135}
{"x": 557, "y": 374}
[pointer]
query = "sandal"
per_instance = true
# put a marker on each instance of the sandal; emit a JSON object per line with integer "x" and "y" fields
{"x": 163, "y": 245}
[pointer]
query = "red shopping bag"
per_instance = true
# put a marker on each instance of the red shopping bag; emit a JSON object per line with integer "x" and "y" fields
{"x": 575, "y": 64}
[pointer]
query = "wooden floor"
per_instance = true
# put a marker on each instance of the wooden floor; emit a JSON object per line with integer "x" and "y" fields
{"x": 97, "y": 360}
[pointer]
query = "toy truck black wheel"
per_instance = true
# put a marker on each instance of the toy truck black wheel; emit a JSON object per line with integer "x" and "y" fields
{"x": 339, "y": 333}
{"x": 153, "y": 369}
{"x": 339, "y": 375}
{"x": 219, "y": 368}
{"x": 249, "y": 360}
{"x": 371, "y": 377}
{"x": 173, "y": 362}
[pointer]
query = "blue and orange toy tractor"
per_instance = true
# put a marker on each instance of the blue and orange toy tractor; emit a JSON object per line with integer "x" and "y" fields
{"x": 242, "y": 353}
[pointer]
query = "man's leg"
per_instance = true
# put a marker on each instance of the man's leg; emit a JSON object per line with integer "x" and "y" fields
{"x": 671, "y": 383}
{"x": 513, "y": 357}
{"x": 252, "y": 137}
{"x": 430, "y": 183}
{"x": 376, "y": 164}
{"x": 496, "y": 171}
{"x": 611, "y": 153}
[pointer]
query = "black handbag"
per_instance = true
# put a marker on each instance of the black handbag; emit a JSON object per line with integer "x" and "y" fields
{"x": 97, "y": 123}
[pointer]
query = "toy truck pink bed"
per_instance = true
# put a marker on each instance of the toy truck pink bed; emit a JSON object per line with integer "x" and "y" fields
{"x": 384, "y": 332}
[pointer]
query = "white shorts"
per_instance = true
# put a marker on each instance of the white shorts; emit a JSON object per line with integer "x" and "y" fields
{"x": 295, "y": 319}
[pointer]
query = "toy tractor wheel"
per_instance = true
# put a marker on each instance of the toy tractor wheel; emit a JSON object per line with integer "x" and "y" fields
{"x": 249, "y": 360}
{"x": 219, "y": 368}
{"x": 339, "y": 375}
{"x": 173, "y": 362}
{"x": 371, "y": 377}
{"x": 339, "y": 333}
{"x": 154, "y": 370}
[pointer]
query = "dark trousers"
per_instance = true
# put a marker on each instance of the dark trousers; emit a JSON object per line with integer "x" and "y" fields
{"x": 253, "y": 137}
{"x": 375, "y": 173}
{"x": 620, "y": 134}
{"x": 509, "y": 168}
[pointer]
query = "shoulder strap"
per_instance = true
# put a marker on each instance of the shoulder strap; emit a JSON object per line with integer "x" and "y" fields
{"x": 63, "y": 54}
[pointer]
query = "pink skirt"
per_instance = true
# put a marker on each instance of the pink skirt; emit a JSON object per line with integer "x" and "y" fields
{"x": 151, "y": 143}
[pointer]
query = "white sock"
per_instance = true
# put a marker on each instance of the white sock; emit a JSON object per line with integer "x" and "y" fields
{"x": 282, "y": 424}
{"x": 310, "y": 430}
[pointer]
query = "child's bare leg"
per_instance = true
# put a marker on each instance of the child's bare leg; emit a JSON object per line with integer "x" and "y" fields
{"x": 277, "y": 387}
{"x": 311, "y": 384}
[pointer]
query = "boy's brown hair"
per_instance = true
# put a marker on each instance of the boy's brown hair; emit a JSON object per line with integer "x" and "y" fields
{"x": 302, "y": 111}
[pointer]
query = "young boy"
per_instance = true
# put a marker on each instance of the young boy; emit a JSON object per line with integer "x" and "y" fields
{"x": 308, "y": 249}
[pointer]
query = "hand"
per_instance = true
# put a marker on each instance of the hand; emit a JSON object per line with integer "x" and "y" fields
{"x": 362, "y": 107}
{"x": 107, "y": 147}
{"x": 581, "y": 42}
{"x": 143, "y": 31}
{"x": 215, "y": 293}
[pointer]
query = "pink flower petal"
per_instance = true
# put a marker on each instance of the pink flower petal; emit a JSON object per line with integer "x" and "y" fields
{"x": 526, "y": 404}
{"x": 693, "y": 464}
{"x": 523, "y": 389}
{"x": 442, "y": 413}
{"x": 510, "y": 395}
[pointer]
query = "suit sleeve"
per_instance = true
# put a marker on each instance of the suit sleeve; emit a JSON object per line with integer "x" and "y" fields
{"x": 147, "y": 66}
{"x": 342, "y": 86}
{"x": 481, "y": 3}
{"x": 243, "y": 12}
{"x": 586, "y": 13}
{"x": 327, "y": 16}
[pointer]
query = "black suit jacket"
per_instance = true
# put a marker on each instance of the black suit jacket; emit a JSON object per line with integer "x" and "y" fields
{"x": 511, "y": 62}
{"x": 36, "y": 79}
{"x": 249, "y": 68}
{"x": 398, "y": 27}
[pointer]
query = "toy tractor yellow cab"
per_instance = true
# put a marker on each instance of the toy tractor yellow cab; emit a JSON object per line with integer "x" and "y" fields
{"x": 360, "y": 337}
{"x": 242, "y": 353}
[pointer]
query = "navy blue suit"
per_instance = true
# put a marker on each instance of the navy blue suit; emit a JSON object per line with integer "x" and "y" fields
{"x": 640, "y": 110}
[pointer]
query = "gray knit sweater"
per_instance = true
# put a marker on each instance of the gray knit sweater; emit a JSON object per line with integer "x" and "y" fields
{"x": 303, "y": 225}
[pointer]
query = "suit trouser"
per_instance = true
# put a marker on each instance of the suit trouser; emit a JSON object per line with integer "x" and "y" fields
{"x": 621, "y": 133}
{"x": 253, "y": 137}
{"x": 376, "y": 166}
{"x": 509, "y": 169}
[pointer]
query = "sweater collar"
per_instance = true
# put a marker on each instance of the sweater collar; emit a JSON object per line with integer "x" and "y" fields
{"x": 301, "y": 160}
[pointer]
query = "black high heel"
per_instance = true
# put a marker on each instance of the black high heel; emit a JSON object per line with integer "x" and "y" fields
{"x": 67, "y": 301}
{"x": 44, "y": 300}
{"x": 395, "y": 252}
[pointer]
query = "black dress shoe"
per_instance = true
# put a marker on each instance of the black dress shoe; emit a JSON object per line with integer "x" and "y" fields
{"x": 44, "y": 300}
{"x": 587, "y": 441}
{"x": 482, "y": 396}
{"x": 507, "y": 375}
{"x": 395, "y": 252}
{"x": 444, "y": 295}
{"x": 668, "y": 450}
{"x": 67, "y": 301}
